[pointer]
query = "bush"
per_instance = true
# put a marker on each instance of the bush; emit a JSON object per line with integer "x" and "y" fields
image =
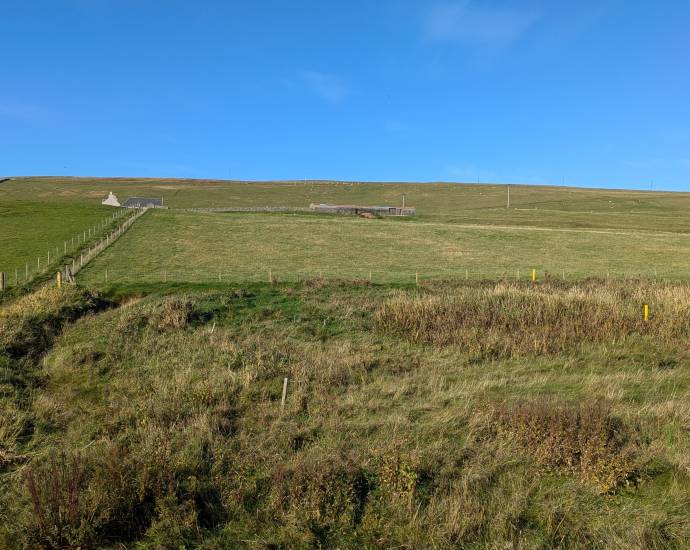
{"x": 326, "y": 492}
{"x": 63, "y": 512}
{"x": 583, "y": 439}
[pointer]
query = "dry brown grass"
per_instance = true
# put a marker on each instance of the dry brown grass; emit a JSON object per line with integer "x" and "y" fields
{"x": 28, "y": 324}
{"x": 382, "y": 442}
{"x": 584, "y": 439}
{"x": 506, "y": 319}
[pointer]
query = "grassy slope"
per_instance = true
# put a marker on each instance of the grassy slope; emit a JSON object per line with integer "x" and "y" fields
{"x": 448, "y": 201}
{"x": 243, "y": 247}
{"x": 404, "y": 423}
{"x": 654, "y": 226}
{"x": 29, "y": 229}
{"x": 167, "y": 412}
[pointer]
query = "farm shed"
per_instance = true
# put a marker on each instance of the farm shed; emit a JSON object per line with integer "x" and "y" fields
{"x": 143, "y": 202}
{"x": 356, "y": 210}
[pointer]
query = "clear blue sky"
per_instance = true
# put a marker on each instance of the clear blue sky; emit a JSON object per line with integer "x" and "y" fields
{"x": 593, "y": 92}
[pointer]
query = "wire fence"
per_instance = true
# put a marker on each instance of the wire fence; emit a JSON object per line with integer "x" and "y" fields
{"x": 76, "y": 251}
{"x": 101, "y": 273}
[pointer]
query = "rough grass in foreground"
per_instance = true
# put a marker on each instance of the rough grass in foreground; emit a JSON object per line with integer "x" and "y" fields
{"x": 506, "y": 319}
{"x": 157, "y": 423}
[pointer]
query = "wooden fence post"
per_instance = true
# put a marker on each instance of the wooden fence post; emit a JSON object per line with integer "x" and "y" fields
{"x": 3, "y": 280}
{"x": 282, "y": 401}
{"x": 59, "y": 279}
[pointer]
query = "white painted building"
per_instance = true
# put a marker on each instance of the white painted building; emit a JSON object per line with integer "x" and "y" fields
{"x": 111, "y": 200}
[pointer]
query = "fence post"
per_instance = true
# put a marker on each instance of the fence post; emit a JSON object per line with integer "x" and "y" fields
{"x": 534, "y": 275}
{"x": 59, "y": 279}
{"x": 282, "y": 401}
{"x": 3, "y": 281}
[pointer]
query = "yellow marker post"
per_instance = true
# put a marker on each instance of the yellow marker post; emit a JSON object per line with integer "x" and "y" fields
{"x": 59, "y": 279}
{"x": 646, "y": 312}
{"x": 534, "y": 275}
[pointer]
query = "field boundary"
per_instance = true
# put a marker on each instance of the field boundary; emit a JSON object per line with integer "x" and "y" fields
{"x": 187, "y": 275}
{"x": 245, "y": 209}
{"x": 105, "y": 243}
{"x": 33, "y": 272}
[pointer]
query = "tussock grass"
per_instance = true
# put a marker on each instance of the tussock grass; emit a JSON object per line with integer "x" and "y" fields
{"x": 506, "y": 319}
{"x": 28, "y": 324}
{"x": 158, "y": 423}
{"x": 28, "y": 327}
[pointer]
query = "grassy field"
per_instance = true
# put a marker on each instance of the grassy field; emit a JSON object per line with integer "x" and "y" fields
{"x": 473, "y": 415}
{"x": 583, "y": 232}
{"x": 195, "y": 247}
{"x": 144, "y": 411}
{"x": 32, "y": 229}
{"x": 544, "y": 206}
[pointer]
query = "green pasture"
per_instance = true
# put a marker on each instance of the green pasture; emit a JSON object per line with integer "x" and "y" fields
{"x": 461, "y": 230}
{"x": 485, "y": 203}
{"x": 198, "y": 247}
{"x": 31, "y": 229}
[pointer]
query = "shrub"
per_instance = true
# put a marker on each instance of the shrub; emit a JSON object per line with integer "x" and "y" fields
{"x": 63, "y": 513}
{"x": 583, "y": 439}
{"x": 324, "y": 491}
{"x": 173, "y": 314}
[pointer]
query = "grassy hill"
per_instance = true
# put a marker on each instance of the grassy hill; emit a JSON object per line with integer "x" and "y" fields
{"x": 576, "y": 232}
{"x": 145, "y": 410}
{"x": 474, "y": 415}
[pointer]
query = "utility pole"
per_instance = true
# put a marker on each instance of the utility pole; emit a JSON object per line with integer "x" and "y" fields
{"x": 508, "y": 203}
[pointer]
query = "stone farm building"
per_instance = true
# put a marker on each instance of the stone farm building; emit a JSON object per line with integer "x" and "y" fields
{"x": 357, "y": 210}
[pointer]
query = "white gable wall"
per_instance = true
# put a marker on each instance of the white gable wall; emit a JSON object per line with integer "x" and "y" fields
{"x": 111, "y": 200}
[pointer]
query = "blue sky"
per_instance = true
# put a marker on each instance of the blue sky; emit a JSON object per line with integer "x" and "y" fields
{"x": 591, "y": 93}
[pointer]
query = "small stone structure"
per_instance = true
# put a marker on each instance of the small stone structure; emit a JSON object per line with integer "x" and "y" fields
{"x": 358, "y": 210}
{"x": 111, "y": 200}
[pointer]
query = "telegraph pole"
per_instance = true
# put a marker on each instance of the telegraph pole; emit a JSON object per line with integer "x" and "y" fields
{"x": 508, "y": 203}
